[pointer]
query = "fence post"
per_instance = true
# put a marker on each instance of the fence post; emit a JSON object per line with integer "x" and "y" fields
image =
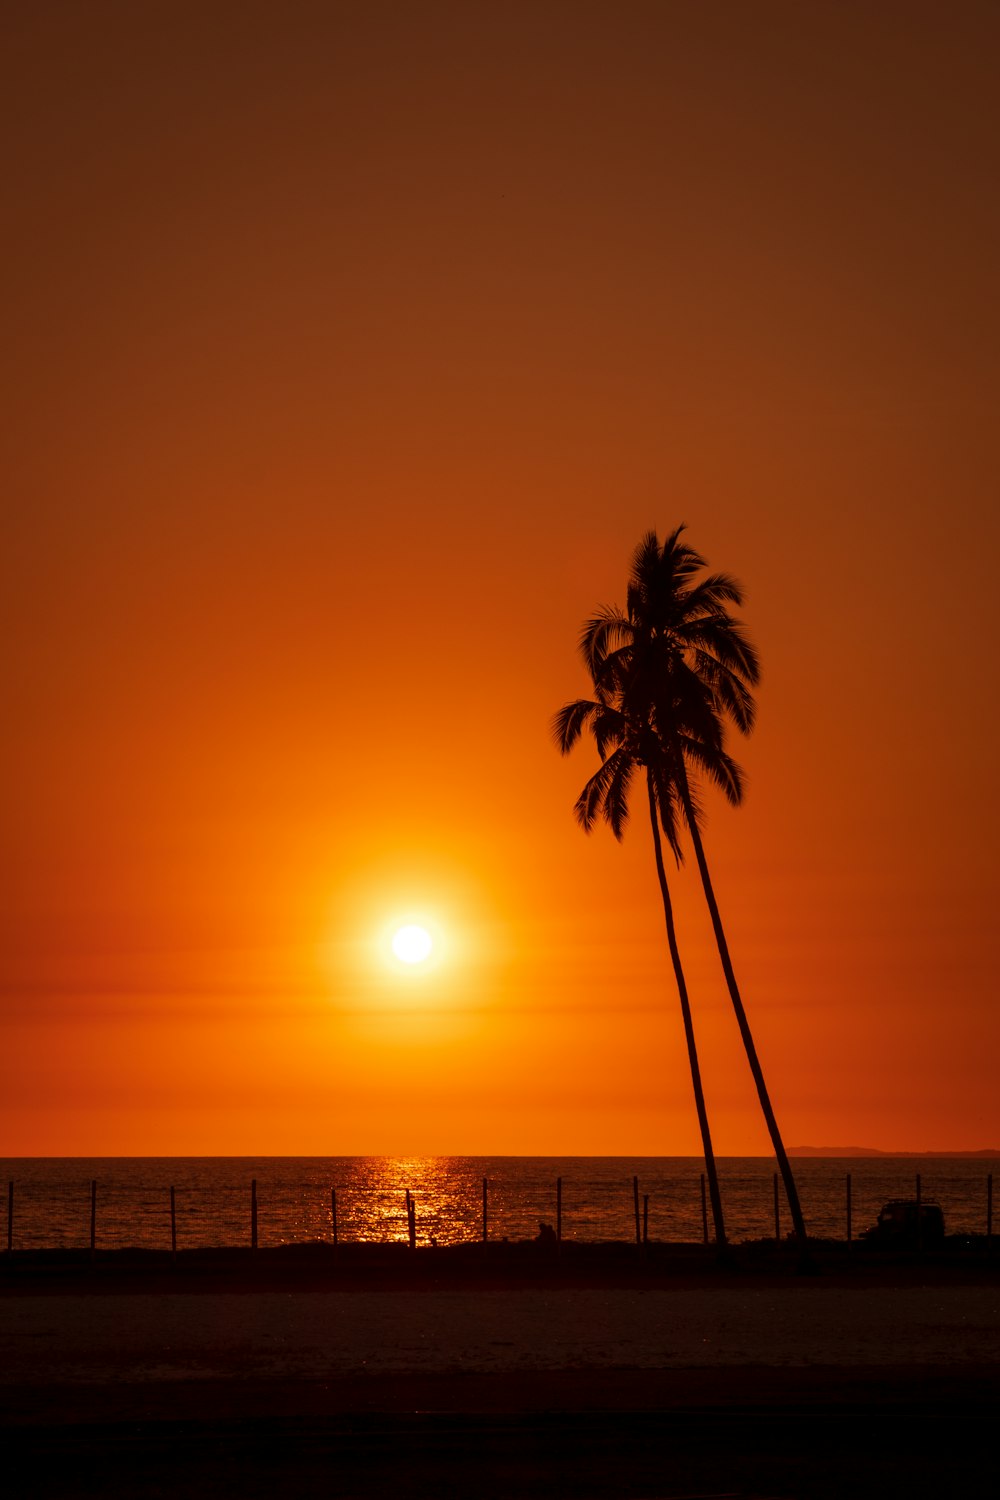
{"x": 93, "y": 1217}
{"x": 485, "y": 1218}
{"x": 988, "y": 1212}
{"x": 848, "y": 1208}
{"x": 558, "y": 1212}
{"x": 704, "y": 1211}
{"x": 777, "y": 1213}
{"x": 253, "y": 1213}
{"x": 645, "y": 1219}
{"x": 333, "y": 1214}
{"x": 10, "y": 1216}
{"x": 635, "y": 1204}
{"x": 411, "y": 1219}
{"x": 173, "y": 1224}
{"x": 920, "y": 1215}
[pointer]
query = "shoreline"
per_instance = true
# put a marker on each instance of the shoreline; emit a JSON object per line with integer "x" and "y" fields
{"x": 318, "y": 1266}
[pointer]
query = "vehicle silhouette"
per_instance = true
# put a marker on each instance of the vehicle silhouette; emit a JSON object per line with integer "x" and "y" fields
{"x": 907, "y": 1221}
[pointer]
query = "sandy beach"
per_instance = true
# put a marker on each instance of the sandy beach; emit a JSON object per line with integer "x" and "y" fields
{"x": 696, "y": 1389}
{"x": 319, "y": 1336}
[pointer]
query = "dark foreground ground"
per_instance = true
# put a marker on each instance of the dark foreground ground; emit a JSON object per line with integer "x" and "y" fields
{"x": 828, "y": 1434}
{"x": 74, "y": 1425}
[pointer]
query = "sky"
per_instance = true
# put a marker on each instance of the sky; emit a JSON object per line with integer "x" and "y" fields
{"x": 349, "y": 350}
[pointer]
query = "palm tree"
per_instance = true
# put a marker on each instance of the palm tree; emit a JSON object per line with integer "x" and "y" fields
{"x": 681, "y": 664}
{"x": 625, "y": 747}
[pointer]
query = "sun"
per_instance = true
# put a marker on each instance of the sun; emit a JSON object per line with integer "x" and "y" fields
{"x": 412, "y": 944}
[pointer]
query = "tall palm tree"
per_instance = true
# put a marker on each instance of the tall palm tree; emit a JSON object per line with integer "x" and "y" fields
{"x": 627, "y": 747}
{"x": 681, "y": 664}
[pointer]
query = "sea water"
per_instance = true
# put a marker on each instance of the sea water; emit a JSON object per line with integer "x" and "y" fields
{"x": 363, "y": 1198}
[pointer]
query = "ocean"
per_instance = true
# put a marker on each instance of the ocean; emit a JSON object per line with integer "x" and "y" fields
{"x": 50, "y": 1200}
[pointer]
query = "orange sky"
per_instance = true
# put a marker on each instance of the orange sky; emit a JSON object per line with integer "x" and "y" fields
{"x": 350, "y": 348}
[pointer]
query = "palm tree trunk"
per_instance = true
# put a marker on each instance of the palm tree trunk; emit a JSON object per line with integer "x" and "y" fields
{"x": 699, "y": 1095}
{"x": 791, "y": 1191}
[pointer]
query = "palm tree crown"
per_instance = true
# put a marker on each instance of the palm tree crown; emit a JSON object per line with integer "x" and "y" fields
{"x": 668, "y": 674}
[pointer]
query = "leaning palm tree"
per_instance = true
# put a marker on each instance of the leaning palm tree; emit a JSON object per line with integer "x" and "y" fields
{"x": 680, "y": 663}
{"x": 627, "y": 746}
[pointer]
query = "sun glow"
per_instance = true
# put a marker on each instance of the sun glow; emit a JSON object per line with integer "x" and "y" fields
{"x": 412, "y": 944}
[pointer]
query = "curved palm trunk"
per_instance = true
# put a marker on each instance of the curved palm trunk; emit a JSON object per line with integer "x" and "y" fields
{"x": 791, "y": 1191}
{"x": 699, "y": 1096}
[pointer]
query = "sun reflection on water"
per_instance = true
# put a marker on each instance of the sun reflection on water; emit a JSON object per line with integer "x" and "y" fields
{"x": 442, "y": 1208}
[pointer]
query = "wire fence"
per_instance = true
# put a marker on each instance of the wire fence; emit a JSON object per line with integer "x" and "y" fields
{"x": 74, "y": 1213}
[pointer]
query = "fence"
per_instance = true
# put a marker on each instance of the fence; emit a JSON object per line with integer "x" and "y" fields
{"x": 117, "y": 1214}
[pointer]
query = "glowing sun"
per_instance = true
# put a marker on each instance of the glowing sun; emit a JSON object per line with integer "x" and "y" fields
{"x": 412, "y": 944}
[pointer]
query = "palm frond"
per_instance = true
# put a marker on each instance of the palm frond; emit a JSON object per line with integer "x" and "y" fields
{"x": 731, "y": 694}
{"x": 712, "y": 593}
{"x": 590, "y": 805}
{"x": 668, "y": 808}
{"x": 608, "y": 729}
{"x": 647, "y": 556}
{"x": 678, "y": 561}
{"x": 718, "y": 767}
{"x": 690, "y": 809}
{"x": 570, "y": 722}
{"x": 688, "y": 704}
{"x": 645, "y": 567}
{"x": 604, "y": 634}
{"x": 726, "y": 639}
{"x": 615, "y": 806}
{"x": 658, "y": 574}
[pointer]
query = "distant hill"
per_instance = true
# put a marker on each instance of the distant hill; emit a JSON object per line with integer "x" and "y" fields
{"x": 871, "y": 1151}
